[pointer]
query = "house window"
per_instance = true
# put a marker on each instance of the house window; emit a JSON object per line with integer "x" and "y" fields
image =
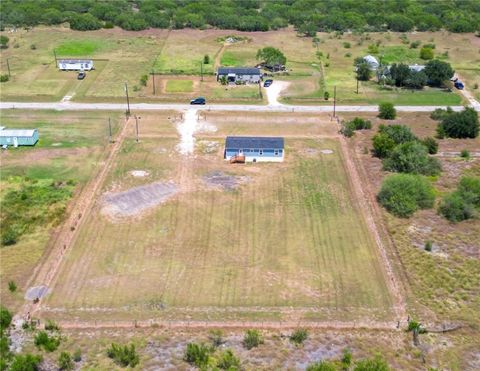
{"x": 275, "y": 152}
{"x": 240, "y": 151}
{"x": 261, "y": 152}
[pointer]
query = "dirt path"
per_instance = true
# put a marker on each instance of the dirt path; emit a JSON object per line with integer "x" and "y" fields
{"x": 273, "y": 92}
{"x": 369, "y": 208}
{"x": 218, "y": 57}
{"x": 46, "y": 272}
{"x": 469, "y": 96}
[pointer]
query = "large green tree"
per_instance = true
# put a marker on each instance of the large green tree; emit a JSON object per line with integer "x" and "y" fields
{"x": 438, "y": 72}
{"x": 271, "y": 56}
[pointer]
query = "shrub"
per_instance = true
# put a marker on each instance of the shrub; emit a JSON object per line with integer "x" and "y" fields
{"x": 439, "y": 114}
{"x": 372, "y": 364}
{"x": 197, "y": 354}
{"x": 426, "y": 53}
{"x": 4, "y": 78}
{"x": 51, "y": 326}
{"x": 386, "y": 111}
{"x": 455, "y": 208}
{"x": 4, "y": 41}
{"x": 411, "y": 157}
{"x": 431, "y": 144}
{"x": 462, "y": 124}
{"x": 438, "y": 71}
{"x": 228, "y": 361}
{"x": 144, "y": 80}
{"x": 428, "y": 246}
{"x": 5, "y": 318}
{"x": 383, "y": 144}
{"x": 108, "y": 24}
{"x": 403, "y": 194}
{"x": 322, "y": 366}
{"x": 415, "y": 44}
{"x": 252, "y": 339}
{"x": 26, "y": 362}
{"x": 216, "y": 337}
{"x": 65, "y": 361}
{"x": 465, "y": 154}
{"x": 469, "y": 187}
{"x": 77, "y": 356}
{"x": 347, "y": 129}
{"x": 123, "y": 355}
{"x": 33, "y": 47}
{"x": 326, "y": 95}
{"x": 206, "y": 59}
{"x": 48, "y": 343}
{"x": 361, "y": 124}
{"x": 346, "y": 359}
{"x": 299, "y": 336}
{"x": 398, "y": 133}
{"x": 12, "y": 287}
{"x": 347, "y": 45}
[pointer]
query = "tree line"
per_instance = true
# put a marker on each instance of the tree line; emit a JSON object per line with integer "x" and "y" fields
{"x": 307, "y": 16}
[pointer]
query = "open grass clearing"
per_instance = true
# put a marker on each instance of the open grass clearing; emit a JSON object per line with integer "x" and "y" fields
{"x": 179, "y": 86}
{"x": 70, "y": 146}
{"x": 238, "y": 250}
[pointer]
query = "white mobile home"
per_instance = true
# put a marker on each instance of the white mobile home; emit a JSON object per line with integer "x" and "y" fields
{"x": 75, "y": 64}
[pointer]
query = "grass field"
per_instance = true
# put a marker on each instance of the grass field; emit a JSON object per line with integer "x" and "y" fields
{"x": 261, "y": 250}
{"x": 179, "y": 86}
{"x": 70, "y": 146}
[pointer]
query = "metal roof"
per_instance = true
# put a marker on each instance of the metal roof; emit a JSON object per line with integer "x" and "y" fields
{"x": 238, "y": 71}
{"x": 75, "y": 61}
{"x": 17, "y": 132}
{"x": 255, "y": 142}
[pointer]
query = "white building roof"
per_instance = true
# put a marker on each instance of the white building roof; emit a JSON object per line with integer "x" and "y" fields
{"x": 416, "y": 67}
{"x": 74, "y": 61}
{"x": 17, "y": 132}
{"x": 371, "y": 60}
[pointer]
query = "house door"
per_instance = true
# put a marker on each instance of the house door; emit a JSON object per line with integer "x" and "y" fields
{"x": 15, "y": 141}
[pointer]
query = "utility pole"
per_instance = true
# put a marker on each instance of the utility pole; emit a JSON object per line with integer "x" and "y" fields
{"x": 260, "y": 89}
{"x": 153, "y": 76}
{"x": 357, "y": 84}
{"x": 128, "y": 101}
{"x": 110, "y": 130}
{"x": 55, "y": 55}
{"x": 334, "y": 100}
{"x": 201, "y": 70}
{"x": 136, "y": 126}
{"x": 8, "y": 67}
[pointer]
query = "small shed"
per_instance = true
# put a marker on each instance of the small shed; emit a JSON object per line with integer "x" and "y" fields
{"x": 255, "y": 149}
{"x": 75, "y": 64}
{"x": 18, "y": 137}
{"x": 240, "y": 74}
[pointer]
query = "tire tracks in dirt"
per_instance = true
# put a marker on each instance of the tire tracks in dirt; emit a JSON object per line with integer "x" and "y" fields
{"x": 369, "y": 208}
{"x": 47, "y": 272}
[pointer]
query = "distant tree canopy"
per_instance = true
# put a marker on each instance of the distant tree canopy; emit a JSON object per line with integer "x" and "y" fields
{"x": 307, "y": 16}
{"x": 271, "y": 56}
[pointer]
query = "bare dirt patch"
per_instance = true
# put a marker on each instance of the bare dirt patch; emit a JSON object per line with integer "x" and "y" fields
{"x": 217, "y": 179}
{"x": 139, "y": 173}
{"x": 138, "y": 199}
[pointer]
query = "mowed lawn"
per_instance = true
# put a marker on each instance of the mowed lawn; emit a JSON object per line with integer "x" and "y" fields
{"x": 289, "y": 237}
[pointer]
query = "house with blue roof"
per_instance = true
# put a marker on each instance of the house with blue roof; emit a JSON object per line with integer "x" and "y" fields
{"x": 255, "y": 149}
{"x": 18, "y": 137}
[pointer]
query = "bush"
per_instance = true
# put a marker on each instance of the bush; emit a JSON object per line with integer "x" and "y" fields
{"x": 26, "y": 362}
{"x": 386, "y": 111}
{"x": 108, "y": 25}
{"x": 197, "y": 354}
{"x": 361, "y": 124}
{"x": 465, "y": 154}
{"x": 426, "y": 53}
{"x": 462, "y": 124}
{"x": 48, "y": 343}
{"x": 4, "y": 78}
{"x": 216, "y": 337}
{"x": 77, "y": 356}
{"x": 415, "y": 44}
{"x": 372, "y": 364}
{"x": 5, "y": 318}
{"x": 299, "y": 336}
{"x": 439, "y": 114}
{"x": 431, "y": 144}
{"x": 228, "y": 361}
{"x": 12, "y": 287}
{"x": 206, "y": 59}
{"x": 51, "y": 326}
{"x": 403, "y": 194}
{"x": 123, "y": 355}
{"x": 411, "y": 157}
{"x": 322, "y": 366}
{"x": 33, "y": 47}
{"x": 65, "y": 361}
{"x": 346, "y": 359}
{"x": 438, "y": 71}
{"x": 347, "y": 45}
{"x": 252, "y": 339}
{"x": 84, "y": 22}
{"x": 144, "y": 80}
{"x": 383, "y": 144}
{"x": 4, "y": 41}
{"x": 428, "y": 246}
{"x": 463, "y": 203}
{"x": 326, "y": 95}
{"x": 398, "y": 133}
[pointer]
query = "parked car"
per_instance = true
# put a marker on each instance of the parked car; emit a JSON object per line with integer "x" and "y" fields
{"x": 198, "y": 100}
{"x": 81, "y": 75}
{"x": 267, "y": 83}
{"x": 459, "y": 85}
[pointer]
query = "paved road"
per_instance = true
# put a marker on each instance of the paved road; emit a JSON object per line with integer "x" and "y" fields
{"x": 73, "y": 106}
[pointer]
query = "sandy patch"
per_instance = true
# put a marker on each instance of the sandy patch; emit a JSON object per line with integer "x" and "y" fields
{"x": 188, "y": 128}
{"x": 138, "y": 199}
{"x": 274, "y": 90}
{"x": 326, "y": 151}
{"x": 139, "y": 173}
